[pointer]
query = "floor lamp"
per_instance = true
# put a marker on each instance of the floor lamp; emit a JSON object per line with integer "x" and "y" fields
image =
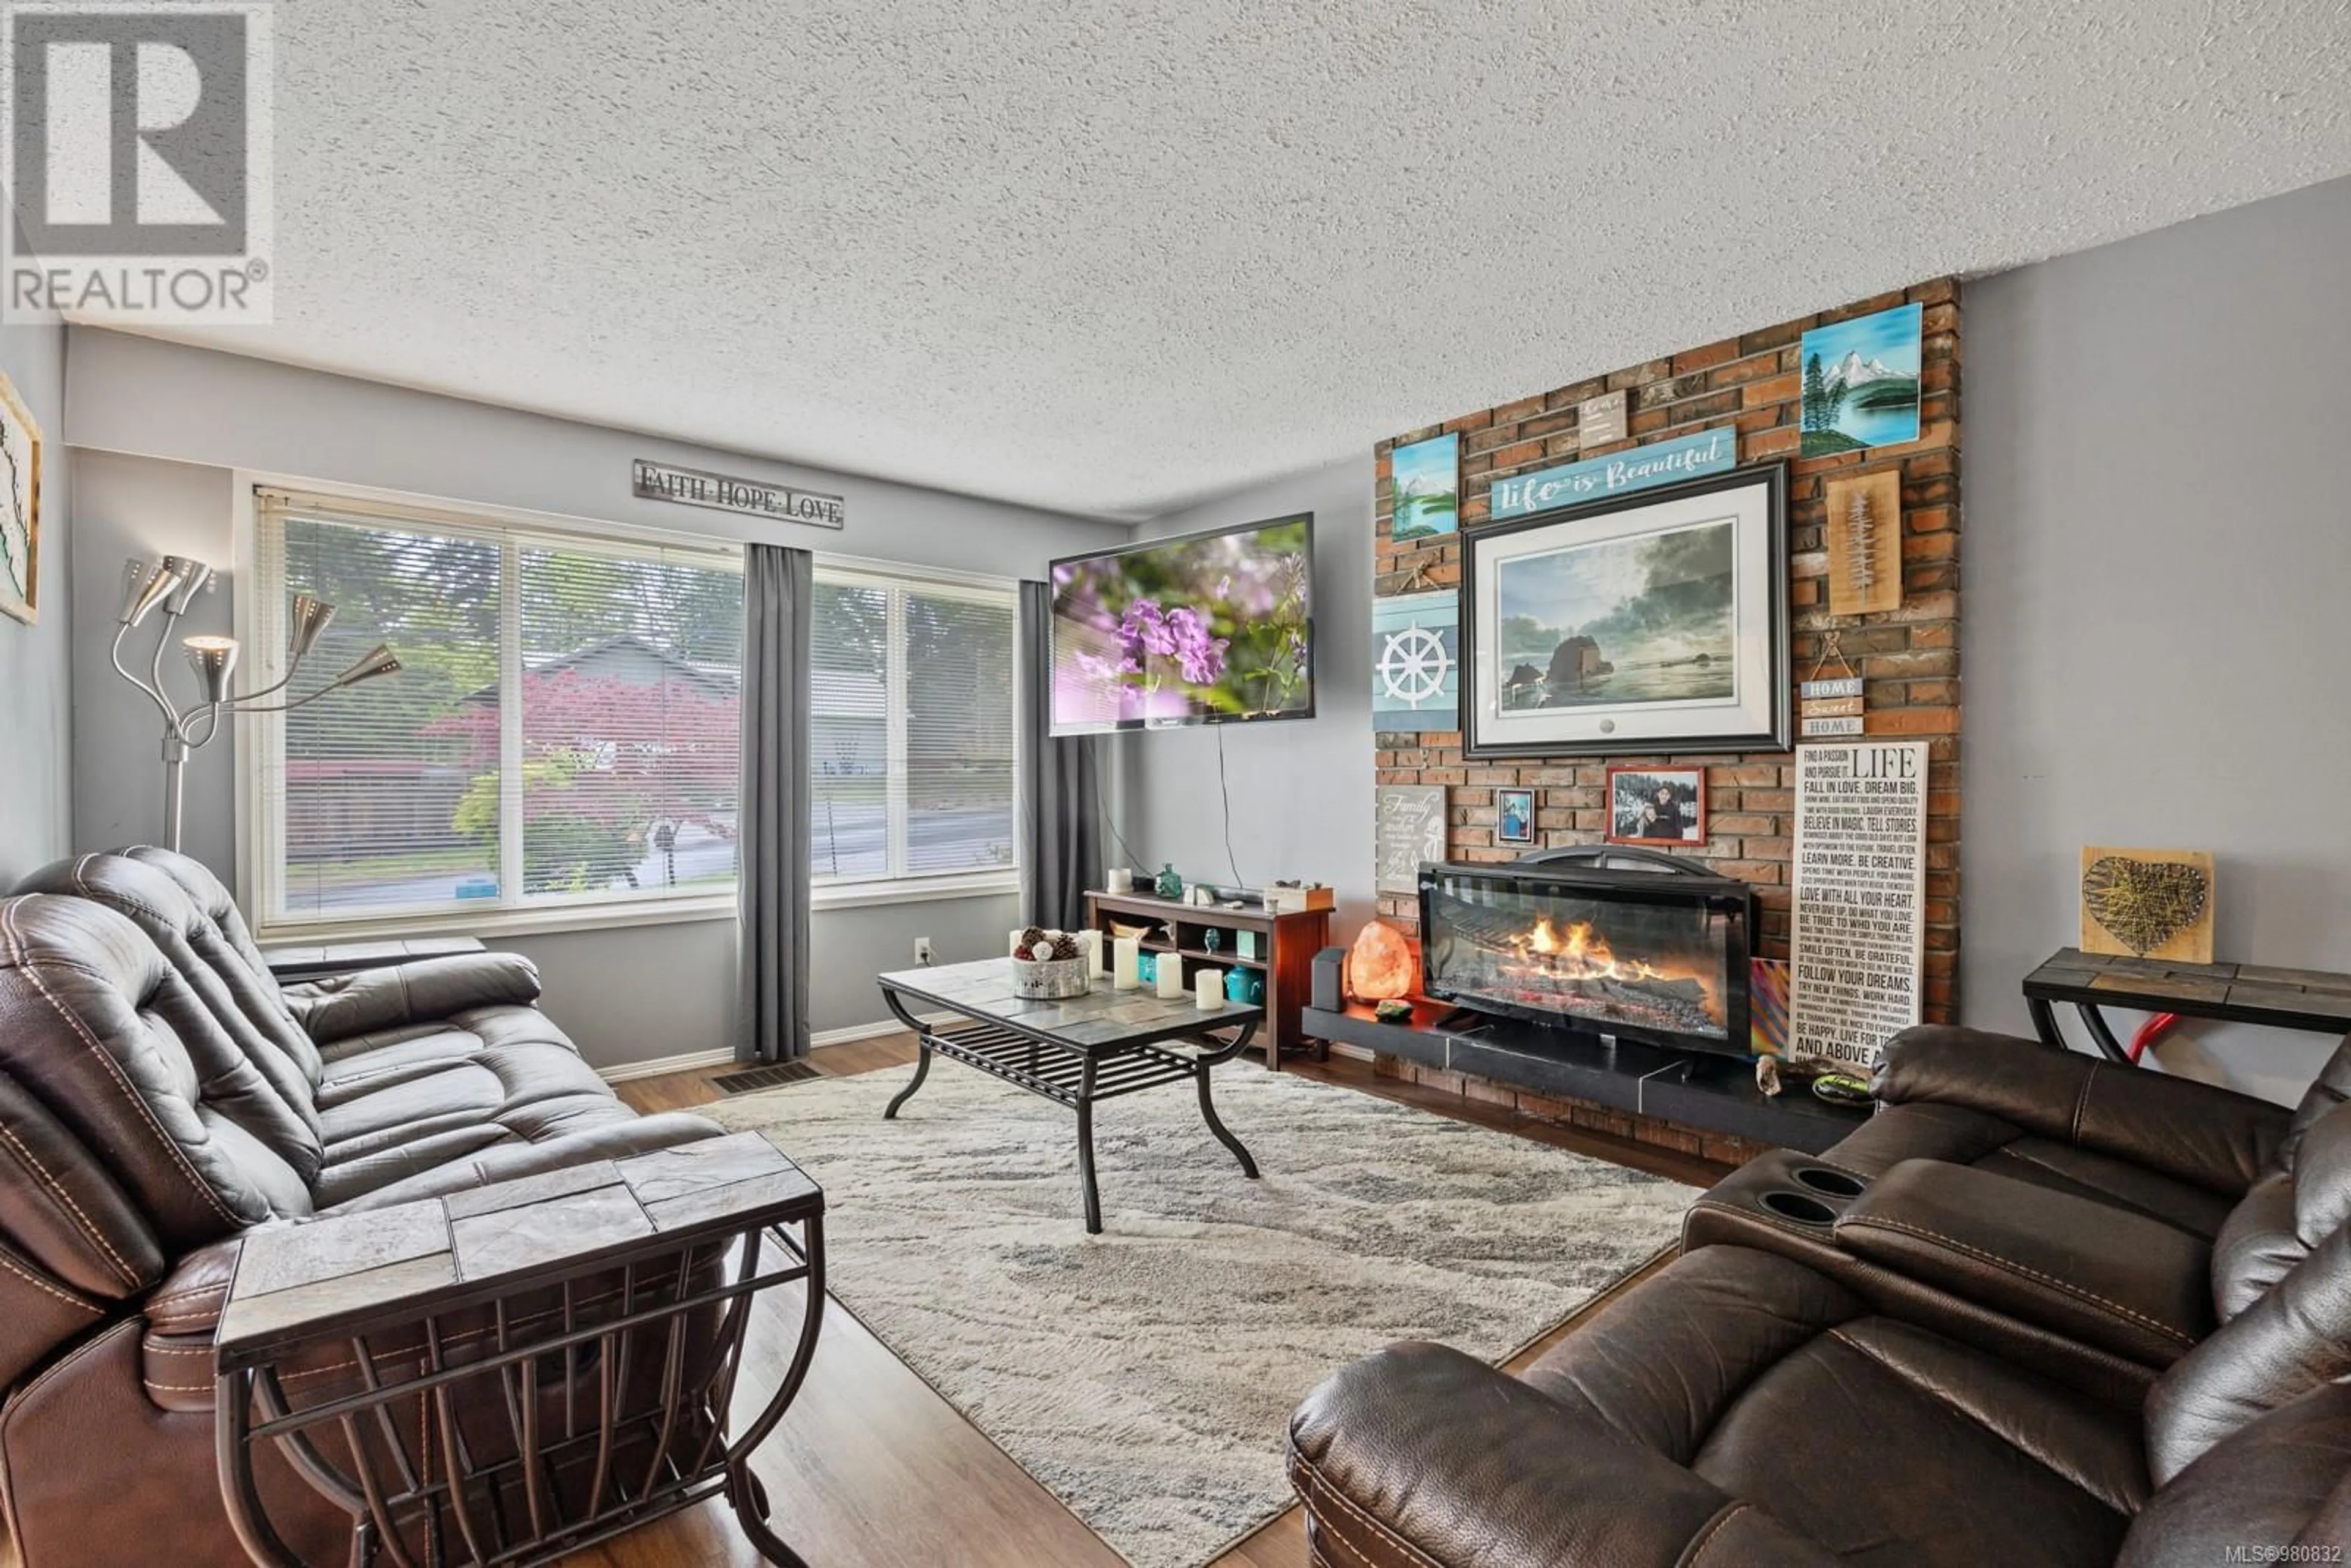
{"x": 173, "y": 583}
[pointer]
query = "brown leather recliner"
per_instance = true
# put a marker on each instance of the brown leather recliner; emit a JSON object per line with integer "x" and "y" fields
{"x": 160, "y": 1094}
{"x": 2048, "y": 1274}
{"x": 1740, "y": 1410}
{"x": 2173, "y": 1149}
{"x": 1951, "y": 1374}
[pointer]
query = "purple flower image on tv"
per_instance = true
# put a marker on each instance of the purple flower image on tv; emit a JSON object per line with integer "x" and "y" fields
{"x": 1208, "y": 628}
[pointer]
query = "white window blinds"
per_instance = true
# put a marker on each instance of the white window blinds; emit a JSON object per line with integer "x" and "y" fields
{"x": 565, "y": 727}
{"x": 912, "y": 762}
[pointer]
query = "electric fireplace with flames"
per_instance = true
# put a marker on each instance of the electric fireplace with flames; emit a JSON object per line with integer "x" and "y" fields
{"x": 1656, "y": 954}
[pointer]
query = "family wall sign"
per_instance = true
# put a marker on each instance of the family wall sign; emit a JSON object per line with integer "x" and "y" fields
{"x": 1596, "y": 478}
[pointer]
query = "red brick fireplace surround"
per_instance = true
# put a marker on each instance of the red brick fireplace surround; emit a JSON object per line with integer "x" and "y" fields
{"x": 1908, "y": 658}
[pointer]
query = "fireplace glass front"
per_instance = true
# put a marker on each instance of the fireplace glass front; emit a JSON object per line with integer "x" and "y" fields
{"x": 1648, "y": 957}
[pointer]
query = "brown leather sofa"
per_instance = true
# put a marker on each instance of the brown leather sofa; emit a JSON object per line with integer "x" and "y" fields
{"x": 159, "y": 1095}
{"x": 2025, "y": 1357}
{"x": 2172, "y": 1149}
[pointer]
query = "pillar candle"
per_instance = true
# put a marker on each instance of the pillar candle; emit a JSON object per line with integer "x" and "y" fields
{"x": 1171, "y": 977}
{"x": 1123, "y": 951}
{"x": 1208, "y": 990}
{"x": 1091, "y": 942}
{"x": 1016, "y": 941}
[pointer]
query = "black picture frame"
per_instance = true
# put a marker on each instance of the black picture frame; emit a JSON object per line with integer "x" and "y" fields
{"x": 1777, "y": 736}
{"x": 1525, "y": 800}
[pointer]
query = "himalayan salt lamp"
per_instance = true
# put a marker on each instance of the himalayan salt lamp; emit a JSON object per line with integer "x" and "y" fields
{"x": 1381, "y": 965}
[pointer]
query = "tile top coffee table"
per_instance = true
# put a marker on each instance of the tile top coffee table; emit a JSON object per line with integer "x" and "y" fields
{"x": 1076, "y": 1052}
{"x": 2234, "y": 993}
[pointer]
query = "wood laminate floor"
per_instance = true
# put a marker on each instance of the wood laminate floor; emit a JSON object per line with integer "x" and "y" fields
{"x": 870, "y": 1468}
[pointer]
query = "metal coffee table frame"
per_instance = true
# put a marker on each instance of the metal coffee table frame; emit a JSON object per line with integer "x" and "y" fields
{"x": 512, "y": 1510}
{"x": 1081, "y": 1074}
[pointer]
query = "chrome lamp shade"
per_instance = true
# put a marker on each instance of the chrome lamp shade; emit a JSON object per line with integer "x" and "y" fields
{"x": 172, "y": 584}
{"x": 214, "y": 661}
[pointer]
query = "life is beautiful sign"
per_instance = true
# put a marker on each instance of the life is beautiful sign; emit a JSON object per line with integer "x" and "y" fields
{"x": 1596, "y": 478}
{"x": 653, "y": 481}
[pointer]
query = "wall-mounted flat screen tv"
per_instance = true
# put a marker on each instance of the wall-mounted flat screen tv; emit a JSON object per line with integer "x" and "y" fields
{"x": 1213, "y": 628}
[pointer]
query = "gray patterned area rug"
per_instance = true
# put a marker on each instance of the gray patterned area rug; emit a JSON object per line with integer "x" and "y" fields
{"x": 1147, "y": 1376}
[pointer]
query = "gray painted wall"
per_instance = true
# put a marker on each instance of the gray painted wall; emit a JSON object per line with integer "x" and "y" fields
{"x": 2158, "y": 559}
{"x": 1301, "y": 790}
{"x": 161, "y": 427}
{"x": 36, "y": 661}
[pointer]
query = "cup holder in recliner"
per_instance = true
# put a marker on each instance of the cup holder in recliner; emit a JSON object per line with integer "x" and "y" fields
{"x": 1835, "y": 1183}
{"x": 1795, "y": 1206}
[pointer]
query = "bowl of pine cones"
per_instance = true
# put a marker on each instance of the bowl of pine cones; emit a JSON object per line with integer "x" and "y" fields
{"x": 1049, "y": 966}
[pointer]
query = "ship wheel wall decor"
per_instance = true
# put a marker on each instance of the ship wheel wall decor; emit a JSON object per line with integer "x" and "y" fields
{"x": 1416, "y": 662}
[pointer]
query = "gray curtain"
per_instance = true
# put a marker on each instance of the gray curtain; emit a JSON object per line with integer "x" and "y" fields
{"x": 1060, "y": 799}
{"x": 772, "y": 822}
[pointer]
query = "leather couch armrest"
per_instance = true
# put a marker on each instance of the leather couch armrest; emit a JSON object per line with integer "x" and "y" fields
{"x": 2098, "y": 1276}
{"x": 1423, "y": 1457}
{"x": 175, "y": 1349}
{"x": 2197, "y": 1132}
{"x": 189, "y": 1300}
{"x": 421, "y": 991}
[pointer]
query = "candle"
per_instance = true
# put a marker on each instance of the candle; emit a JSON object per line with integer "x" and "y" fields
{"x": 1123, "y": 951}
{"x": 1015, "y": 952}
{"x": 1208, "y": 990}
{"x": 1091, "y": 942}
{"x": 1171, "y": 977}
{"x": 1121, "y": 880}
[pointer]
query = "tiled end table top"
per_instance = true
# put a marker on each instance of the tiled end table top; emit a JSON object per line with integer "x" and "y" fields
{"x": 298, "y": 1281}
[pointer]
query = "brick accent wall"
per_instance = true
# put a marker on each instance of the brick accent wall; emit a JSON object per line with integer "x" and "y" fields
{"x": 1908, "y": 658}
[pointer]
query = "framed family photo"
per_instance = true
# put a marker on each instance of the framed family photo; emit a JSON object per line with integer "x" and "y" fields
{"x": 1653, "y": 622}
{"x": 1514, "y": 816}
{"x": 1656, "y": 806}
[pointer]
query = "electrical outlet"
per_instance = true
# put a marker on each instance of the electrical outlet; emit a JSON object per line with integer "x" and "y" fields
{"x": 922, "y": 951}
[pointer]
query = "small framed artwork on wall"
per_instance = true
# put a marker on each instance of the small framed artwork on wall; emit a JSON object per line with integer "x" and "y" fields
{"x": 20, "y": 507}
{"x": 1656, "y": 806}
{"x": 1425, "y": 481}
{"x": 1514, "y": 816}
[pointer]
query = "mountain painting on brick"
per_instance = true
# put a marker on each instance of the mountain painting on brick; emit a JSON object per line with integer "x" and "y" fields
{"x": 1861, "y": 382}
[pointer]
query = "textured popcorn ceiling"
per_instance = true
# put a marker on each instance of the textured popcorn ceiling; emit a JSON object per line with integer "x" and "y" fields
{"x": 1111, "y": 258}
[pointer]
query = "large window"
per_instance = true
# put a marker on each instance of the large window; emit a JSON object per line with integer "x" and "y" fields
{"x": 563, "y": 732}
{"x": 911, "y": 698}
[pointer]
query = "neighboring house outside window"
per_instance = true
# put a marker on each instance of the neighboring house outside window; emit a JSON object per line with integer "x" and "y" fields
{"x": 564, "y": 734}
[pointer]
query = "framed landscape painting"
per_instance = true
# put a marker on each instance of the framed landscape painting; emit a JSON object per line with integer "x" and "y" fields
{"x": 20, "y": 507}
{"x": 1861, "y": 382}
{"x": 1425, "y": 486}
{"x": 1654, "y": 623}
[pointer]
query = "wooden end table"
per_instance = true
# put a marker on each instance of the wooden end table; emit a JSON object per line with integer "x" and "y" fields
{"x": 1077, "y": 1052}
{"x": 533, "y": 1298}
{"x": 2311, "y": 1000}
{"x": 1287, "y": 945}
